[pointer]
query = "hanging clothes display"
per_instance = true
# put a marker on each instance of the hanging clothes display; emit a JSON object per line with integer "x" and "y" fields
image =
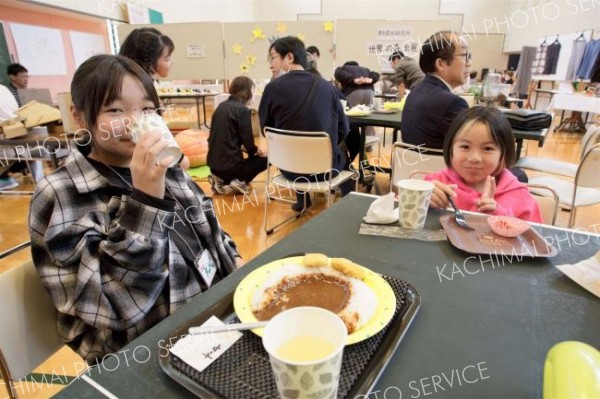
{"x": 524, "y": 69}
{"x": 540, "y": 59}
{"x": 575, "y": 59}
{"x": 552, "y": 54}
{"x": 596, "y": 70}
{"x": 589, "y": 58}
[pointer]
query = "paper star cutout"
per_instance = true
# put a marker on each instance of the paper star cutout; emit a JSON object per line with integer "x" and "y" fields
{"x": 237, "y": 49}
{"x": 281, "y": 27}
{"x": 244, "y": 68}
{"x": 251, "y": 59}
{"x": 328, "y": 26}
{"x": 301, "y": 36}
{"x": 273, "y": 38}
{"x": 257, "y": 33}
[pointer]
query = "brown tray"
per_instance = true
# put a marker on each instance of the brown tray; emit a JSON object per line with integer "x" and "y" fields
{"x": 483, "y": 241}
{"x": 246, "y": 364}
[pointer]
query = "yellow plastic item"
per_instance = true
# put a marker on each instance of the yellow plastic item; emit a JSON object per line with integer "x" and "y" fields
{"x": 572, "y": 371}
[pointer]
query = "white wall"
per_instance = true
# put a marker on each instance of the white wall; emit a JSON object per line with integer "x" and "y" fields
{"x": 529, "y": 20}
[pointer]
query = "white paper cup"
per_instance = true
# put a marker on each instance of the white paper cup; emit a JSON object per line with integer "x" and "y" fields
{"x": 344, "y": 104}
{"x": 413, "y": 196}
{"x": 376, "y": 103}
{"x": 318, "y": 377}
{"x": 154, "y": 122}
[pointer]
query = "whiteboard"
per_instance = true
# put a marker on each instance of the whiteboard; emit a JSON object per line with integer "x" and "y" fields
{"x": 85, "y": 45}
{"x": 40, "y": 49}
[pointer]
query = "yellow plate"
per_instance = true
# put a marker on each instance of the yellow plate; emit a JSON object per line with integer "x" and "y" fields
{"x": 358, "y": 113}
{"x": 386, "y": 300}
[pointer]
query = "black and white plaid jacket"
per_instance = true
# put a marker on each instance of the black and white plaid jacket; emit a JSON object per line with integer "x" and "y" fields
{"x": 107, "y": 259}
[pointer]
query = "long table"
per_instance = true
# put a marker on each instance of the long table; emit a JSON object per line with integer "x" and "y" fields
{"x": 483, "y": 330}
{"x": 392, "y": 120}
{"x": 199, "y": 98}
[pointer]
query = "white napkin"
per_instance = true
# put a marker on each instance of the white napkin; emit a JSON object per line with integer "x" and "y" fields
{"x": 382, "y": 210}
{"x": 585, "y": 273}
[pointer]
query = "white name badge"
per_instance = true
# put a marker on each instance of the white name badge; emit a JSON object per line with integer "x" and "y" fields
{"x": 207, "y": 267}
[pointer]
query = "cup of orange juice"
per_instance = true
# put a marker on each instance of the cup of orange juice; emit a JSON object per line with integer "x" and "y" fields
{"x": 305, "y": 347}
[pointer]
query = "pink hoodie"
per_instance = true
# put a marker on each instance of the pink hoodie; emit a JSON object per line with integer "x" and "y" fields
{"x": 512, "y": 197}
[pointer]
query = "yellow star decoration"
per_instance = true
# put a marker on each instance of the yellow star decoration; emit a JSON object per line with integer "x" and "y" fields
{"x": 244, "y": 68}
{"x": 237, "y": 49}
{"x": 257, "y": 33}
{"x": 251, "y": 59}
{"x": 301, "y": 36}
{"x": 328, "y": 26}
{"x": 281, "y": 27}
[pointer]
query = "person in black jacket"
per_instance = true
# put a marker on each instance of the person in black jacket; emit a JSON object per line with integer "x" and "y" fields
{"x": 431, "y": 107}
{"x": 230, "y": 130}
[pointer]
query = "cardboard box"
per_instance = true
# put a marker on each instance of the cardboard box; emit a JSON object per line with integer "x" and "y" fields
{"x": 12, "y": 128}
{"x": 36, "y": 114}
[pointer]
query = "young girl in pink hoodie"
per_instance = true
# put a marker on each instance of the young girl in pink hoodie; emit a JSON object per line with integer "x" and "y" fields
{"x": 478, "y": 149}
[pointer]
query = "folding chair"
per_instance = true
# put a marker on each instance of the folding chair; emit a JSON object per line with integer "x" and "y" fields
{"x": 407, "y": 158}
{"x": 29, "y": 333}
{"x": 304, "y": 153}
{"x": 554, "y": 167}
{"x": 584, "y": 190}
{"x": 548, "y": 203}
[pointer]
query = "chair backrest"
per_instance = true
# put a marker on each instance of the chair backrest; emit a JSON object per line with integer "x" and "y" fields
{"x": 587, "y": 172}
{"x": 407, "y": 158}
{"x": 29, "y": 332}
{"x": 590, "y": 139}
{"x": 299, "y": 151}
{"x": 548, "y": 201}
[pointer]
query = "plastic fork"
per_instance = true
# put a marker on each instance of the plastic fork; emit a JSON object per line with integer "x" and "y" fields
{"x": 458, "y": 215}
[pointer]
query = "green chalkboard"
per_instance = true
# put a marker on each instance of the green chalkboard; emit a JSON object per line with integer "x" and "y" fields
{"x": 4, "y": 58}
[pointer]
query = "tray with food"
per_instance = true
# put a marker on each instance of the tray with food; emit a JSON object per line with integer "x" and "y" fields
{"x": 497, "y": 235}
{"x": 376, "y": 309}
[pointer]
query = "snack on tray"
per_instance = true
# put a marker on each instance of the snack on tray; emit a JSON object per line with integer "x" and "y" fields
{"x": 315, "y": 260}
{"x": 348, "y": 268}
{"x": 507, "y": 226}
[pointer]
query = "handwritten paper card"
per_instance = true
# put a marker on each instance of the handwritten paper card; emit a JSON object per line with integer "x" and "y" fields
{"x": 200, "y": 350}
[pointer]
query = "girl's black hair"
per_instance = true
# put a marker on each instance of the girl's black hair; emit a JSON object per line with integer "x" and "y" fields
{"x": 497, "y": 124}
{"x": 98, "y": 82}
{"x": 145, "y": 46}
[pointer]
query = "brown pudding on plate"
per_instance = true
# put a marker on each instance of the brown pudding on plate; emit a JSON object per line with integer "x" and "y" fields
{"x": 321, "y": 290}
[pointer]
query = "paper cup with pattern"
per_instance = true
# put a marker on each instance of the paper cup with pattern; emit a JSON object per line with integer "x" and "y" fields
{"x": 154, "y": 122}
{"x": 305, "y": 347}
{"x": 413, "y": 196}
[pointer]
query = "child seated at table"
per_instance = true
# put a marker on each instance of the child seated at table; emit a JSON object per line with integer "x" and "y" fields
{"x": 120, "y": 240}
{"x": 478, "y": 149}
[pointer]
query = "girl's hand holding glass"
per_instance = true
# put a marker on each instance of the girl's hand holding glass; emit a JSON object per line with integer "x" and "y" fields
{"x": 147, "y": 174}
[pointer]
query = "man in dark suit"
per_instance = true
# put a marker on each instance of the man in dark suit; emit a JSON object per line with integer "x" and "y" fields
{"x": 431, "y": 106}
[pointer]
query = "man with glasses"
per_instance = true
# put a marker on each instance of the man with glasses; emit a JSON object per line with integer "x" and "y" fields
{"x": 431, "y": 106}
{"x": 19, "y": 76}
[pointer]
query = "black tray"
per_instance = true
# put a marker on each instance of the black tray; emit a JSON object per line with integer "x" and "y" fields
{"x": 243, "y": 371}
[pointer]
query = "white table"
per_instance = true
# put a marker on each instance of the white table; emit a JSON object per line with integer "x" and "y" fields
{"x": 577, "y": 103}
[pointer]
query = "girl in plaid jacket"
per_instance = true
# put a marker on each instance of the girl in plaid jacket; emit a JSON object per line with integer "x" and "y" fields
{"x": 119, "y": 240}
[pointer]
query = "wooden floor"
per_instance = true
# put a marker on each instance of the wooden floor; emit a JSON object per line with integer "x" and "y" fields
{"x": 242, "y": 218}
